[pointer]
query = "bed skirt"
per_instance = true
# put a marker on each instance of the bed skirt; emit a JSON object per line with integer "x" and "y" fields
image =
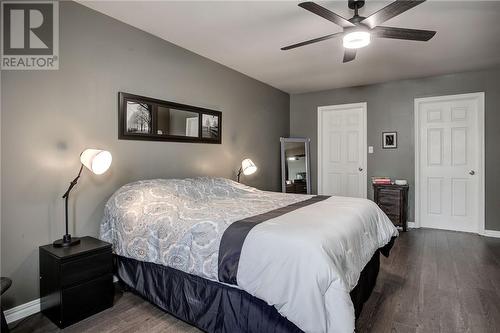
{"x": 215, "y": 307}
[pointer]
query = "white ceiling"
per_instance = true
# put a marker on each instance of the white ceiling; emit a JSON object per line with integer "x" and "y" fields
{"x": 247, "y": 36}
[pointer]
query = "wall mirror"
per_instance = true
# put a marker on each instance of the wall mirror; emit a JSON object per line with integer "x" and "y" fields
{"x": 144, "y": 118}
{"x": 295, "y": 167}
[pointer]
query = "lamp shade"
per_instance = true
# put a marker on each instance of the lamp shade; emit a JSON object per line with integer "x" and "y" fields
{"x": 96, "y": 160}
{"x": 248, "y": 167}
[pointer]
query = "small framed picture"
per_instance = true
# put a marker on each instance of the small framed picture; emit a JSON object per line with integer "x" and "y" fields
{"x": 139, "y": 117}
{"x": 389, "y": 140}
{"x": 209, "y": 126}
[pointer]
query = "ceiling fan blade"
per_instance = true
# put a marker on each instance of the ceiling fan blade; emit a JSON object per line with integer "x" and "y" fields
{"x": 307, "y": 42}
{"x": 402, "y": 33}
{"x": 389, "y": 11}
{"x": 326, "y": 14}
{"x": 349, "y": 55}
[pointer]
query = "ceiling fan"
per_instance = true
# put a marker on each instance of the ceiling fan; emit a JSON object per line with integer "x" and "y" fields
{"x": 358, "y": 30}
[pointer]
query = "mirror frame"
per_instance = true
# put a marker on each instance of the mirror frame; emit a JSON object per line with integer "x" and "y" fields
{"x": 122, "y": 120}
{"x": 306, "y": 142}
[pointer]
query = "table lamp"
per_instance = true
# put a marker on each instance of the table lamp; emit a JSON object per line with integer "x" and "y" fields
{"x": 247, "y": 168}
{"x": 97, "y": 161}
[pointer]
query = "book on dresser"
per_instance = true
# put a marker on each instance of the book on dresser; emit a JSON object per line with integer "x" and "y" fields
{"x": 393, "y": 200}
{"x": 381, "y": 180}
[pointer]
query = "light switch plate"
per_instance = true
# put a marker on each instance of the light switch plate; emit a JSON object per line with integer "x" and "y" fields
{"x": 370, "y": 149}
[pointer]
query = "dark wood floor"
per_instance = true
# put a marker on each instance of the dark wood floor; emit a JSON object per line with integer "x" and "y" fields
{"x": 434, "y": 281}
{"x": 437, "y": 281}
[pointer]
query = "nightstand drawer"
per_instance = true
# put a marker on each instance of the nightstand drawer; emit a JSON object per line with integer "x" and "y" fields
{"x": 86, "y": 299}
{"x": 86, "y": 268}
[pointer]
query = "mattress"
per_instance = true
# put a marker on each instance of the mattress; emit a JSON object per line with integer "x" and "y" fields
{"x": 304, "y": 262}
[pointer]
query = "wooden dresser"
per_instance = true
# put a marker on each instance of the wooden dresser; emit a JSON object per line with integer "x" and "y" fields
{"x": 393, "y": 200}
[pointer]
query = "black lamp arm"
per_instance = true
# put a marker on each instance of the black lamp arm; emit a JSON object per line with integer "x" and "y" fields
{"x": 73, "y": 183}
{"x": 239, "y": 173}
{"x": 67, "y": 236}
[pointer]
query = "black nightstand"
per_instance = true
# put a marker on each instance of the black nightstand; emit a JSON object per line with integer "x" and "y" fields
{"x": 76, "y": 282}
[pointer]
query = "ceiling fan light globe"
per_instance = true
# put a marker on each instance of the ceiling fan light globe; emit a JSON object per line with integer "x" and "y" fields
{"x": 356, "y": 39}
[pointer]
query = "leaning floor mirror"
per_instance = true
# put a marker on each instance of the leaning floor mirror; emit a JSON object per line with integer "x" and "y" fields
{"x": 295, "y": 167}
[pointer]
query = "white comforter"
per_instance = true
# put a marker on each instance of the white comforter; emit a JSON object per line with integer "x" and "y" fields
{"x": 304, "y": 262}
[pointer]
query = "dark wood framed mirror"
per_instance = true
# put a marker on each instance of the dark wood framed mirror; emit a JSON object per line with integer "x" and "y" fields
{"x": 145, "y": 118}
{"x": 295, "y": 167}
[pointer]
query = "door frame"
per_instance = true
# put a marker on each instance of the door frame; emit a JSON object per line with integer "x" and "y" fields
{"x": 479, "y": 96}
{"x": 364, "y": 152}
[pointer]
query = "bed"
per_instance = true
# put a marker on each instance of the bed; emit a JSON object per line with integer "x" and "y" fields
{"x": 226, "y": 257}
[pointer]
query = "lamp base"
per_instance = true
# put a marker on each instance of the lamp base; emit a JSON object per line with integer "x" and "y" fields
{"x": 66, "y": 241}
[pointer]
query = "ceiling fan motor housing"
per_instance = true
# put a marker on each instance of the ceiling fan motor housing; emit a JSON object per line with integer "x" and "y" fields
{"x": 355, "y": 4}
{"x": 356, "y": 19}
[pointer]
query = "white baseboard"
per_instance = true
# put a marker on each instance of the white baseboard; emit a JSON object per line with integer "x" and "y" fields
{"x": 485, "y": 233}
{"x": 412, "y": 225}
{"x": 22, "y": 311}
{"x": 491, "y": 233}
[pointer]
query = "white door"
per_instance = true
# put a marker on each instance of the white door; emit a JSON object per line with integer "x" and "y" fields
{"x": 449, "y": 162}
{"x": 192, "y": 126}
{"x": 342, "y": 150}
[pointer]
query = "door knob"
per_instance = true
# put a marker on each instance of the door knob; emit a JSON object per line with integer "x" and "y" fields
{"x": 472, "y": 172}
{"x": 360, "y": 169}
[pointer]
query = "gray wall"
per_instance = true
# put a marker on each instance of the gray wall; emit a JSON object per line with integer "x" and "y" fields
{"x": 390, "y": 107}
{"x": 49, "y": 117}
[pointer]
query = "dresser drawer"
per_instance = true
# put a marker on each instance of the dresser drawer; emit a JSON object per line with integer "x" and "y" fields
{"x": 300, "y": 188}
{"x": 86, "y": 268}
{"x": 389, "y": 197}
{"x": 394, "y": 218}
{"x": 391, "y": 208}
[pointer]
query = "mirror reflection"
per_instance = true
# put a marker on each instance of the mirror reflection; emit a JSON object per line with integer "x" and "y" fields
{"x": 177, "y": 122}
